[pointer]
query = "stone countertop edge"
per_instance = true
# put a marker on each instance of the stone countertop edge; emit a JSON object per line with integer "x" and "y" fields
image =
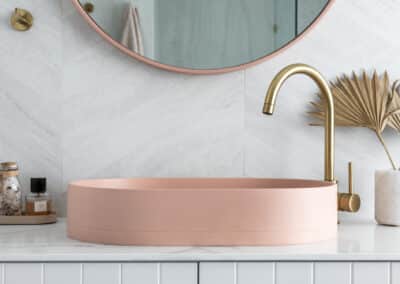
{"x": 357, "y": 241}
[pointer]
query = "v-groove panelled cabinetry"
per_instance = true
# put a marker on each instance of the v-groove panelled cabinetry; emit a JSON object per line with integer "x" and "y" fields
{"x": 202, "y": 272}
{"x": 362, "y": 254}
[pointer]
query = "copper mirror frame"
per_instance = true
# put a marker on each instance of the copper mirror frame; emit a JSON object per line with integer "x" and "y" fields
{"x": 171, "y": 68}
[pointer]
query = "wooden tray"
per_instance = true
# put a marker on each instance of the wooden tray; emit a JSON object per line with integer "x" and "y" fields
{"x": 28, "y": 220}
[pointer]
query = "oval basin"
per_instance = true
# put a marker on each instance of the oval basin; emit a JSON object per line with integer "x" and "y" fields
{"x": 205, "y": 211}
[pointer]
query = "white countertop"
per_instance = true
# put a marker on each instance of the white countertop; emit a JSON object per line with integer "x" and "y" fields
{"x": 361, "y": 241}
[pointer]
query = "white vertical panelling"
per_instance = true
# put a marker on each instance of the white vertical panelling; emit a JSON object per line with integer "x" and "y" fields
{"x": 178, "y": 273}
{"x": 294, "y": 272}
{"x": 62, "y": 273}
{"x": 21, "y": 273}
{"x": 143, "y": 273}
{"x": 210, "y": 273}
{"x": 332, "y": 273}
{"x": 101, "y": 273}
{"x": 217, "y": 273}
{"x": 371, "y": 273}
{"x": 395, "y": 272}
{"x": 255, "y": 273}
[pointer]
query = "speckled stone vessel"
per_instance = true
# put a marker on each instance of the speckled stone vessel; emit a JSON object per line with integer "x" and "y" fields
{"x": 387, "y": 197}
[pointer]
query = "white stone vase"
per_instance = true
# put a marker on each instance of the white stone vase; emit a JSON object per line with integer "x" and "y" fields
{"x": 387, "y": 197}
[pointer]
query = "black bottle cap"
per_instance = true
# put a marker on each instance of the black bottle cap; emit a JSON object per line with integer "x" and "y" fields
{"x": 38, "y": 185}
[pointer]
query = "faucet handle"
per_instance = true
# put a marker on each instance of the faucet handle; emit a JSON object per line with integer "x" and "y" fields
{"x": 349, "y": 202}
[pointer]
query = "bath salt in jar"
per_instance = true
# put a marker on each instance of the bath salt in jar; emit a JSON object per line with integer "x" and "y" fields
{"x": 10, "y": 190}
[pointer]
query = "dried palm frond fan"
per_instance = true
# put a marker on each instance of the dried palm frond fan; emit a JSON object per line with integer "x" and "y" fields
{"x": 363, "y": 101}
{"x": 394, "y": 121}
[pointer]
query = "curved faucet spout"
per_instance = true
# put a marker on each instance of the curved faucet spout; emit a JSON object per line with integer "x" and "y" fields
{"x": 311, "y": 72}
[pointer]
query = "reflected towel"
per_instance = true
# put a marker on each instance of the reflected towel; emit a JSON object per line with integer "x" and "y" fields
{"x": 131, "y": 34}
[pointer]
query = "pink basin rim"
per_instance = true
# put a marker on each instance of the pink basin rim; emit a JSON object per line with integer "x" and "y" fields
{"x": 237, "y": 211}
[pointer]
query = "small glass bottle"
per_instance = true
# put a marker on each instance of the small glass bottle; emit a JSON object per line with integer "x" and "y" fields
{"x": 38, "y": 202}
{"x": 10, "y": 190}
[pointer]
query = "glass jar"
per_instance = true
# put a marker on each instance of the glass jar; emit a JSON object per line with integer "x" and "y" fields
{"x": 10, "y": 190}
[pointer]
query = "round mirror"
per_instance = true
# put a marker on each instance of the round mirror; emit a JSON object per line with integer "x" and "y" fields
{"x": 202, "y": 36}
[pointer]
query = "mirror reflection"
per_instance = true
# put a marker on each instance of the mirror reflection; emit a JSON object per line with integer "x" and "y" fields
{"x": 204, "y": 34}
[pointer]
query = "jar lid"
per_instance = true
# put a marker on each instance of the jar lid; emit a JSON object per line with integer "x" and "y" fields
{"x": 38, "y": 185}
{"x": 9, "y": 166}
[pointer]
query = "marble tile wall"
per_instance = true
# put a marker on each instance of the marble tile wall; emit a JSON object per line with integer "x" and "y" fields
{"x": 74, "y": 107}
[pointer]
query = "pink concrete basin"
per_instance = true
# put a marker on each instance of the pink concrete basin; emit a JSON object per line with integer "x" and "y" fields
{"x": 206, "y": 212}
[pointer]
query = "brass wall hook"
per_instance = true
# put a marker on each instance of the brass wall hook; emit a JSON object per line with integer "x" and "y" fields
{"x": 21, "y": 19}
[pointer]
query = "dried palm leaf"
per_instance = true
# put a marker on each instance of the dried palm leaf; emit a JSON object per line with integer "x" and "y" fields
{"x": 394, "y": 120}
{"x": 360, "y": 101}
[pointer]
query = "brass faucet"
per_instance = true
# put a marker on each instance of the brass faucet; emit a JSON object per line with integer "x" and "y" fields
{"x": 346, "y": 200}
{"x": 270, "y": 99}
